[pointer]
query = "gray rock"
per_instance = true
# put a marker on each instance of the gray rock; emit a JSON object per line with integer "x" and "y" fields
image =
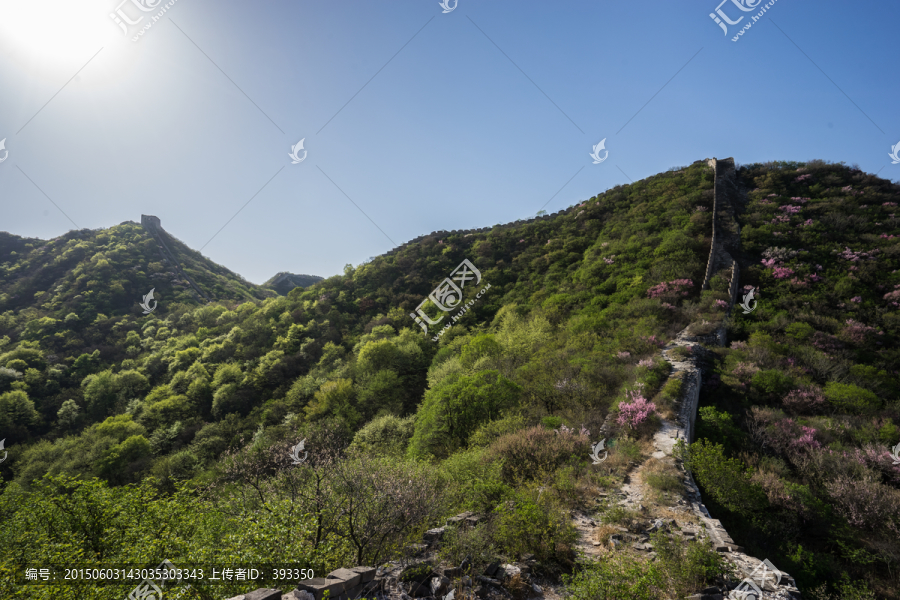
{"x": 298, "y": 595}
{"x": 349, "y": 577}
{"x": 318, "y": 585}
{"x": 439, "y": 586}
{"x": 366, "y": 574}
{"x": 492, "y": 568}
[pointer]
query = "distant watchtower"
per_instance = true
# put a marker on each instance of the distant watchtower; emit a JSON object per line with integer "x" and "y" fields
{"x": 150, "y": 222}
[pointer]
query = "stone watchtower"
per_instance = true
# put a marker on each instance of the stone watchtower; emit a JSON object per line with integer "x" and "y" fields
{"x": 150, "y": 222}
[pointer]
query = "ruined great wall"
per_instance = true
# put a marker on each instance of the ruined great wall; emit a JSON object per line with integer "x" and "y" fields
{"x": 724, "y": 248}
{"x": 153, "y": 226}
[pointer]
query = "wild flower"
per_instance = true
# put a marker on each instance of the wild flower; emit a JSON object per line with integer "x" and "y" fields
{"x": 779, "y": 254}
{"x": 610, "y": 260}
{"x": 807, "y": 222}
{"x": 646, "y": 362}
{"x": 780, "y": 219}
{"x": 721, "y": 304}
{"x": 653, "y": 341}
{"x": 847, "y": 188}
{"x": 766, "y": 201}
{"x": 701, "y": 209}
{"x": 633, "y": 414}
{"x": 623, "y": 355}
{"x": 889, "y": 204}
{"x": 667, "y": 306}
{"x": 782, "y": 272}
{"x": 815, "y": 278}
{"x": 771, "y": 195}
{"x": 743, "y": 370}
{"x": 584, "y": 432}
{"x": 604, "y": 244}
{"x": 856, "y": 332}
{"x": 804, "y": 400}
{"x": 664, "y": 288}
{"x": 770, "y": 263}
{"x": 738, "y": 346}
{"x": 800, "y": 199}
{"x": 856, "y": 299}
{"x": 798, "y": 282}
{"x": 790, "y": 209}
{"x": 807, "y": 440}
{"x": 803, "y": 177}
{"x": 521, "y": 241}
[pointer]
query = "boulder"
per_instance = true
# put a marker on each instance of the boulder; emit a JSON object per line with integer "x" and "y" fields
{"x": 492, "y": 568}
{"x": 350, "y": 578}
{"x": 366, "y": 574}
{"x": 433, "y": 536}
{"x": 298, "y": 595}
{"x": 318, "y": 585}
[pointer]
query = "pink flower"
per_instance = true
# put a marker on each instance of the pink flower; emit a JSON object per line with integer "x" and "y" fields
{"x": 624, "y": 355}
{"x": 790, "y": 209}
{"x": 672, "y": 287}
{"x": 808, "y": 222}
{"x": 770, "y": 263}
{"x": 721, "y": 304}
{"x": 856, "y": 299}
{"x": 782, "y": 272}
{"x": 803, "y": 177}
{"x": 647, "y": 362}
{"x": 520, "y": 241}
{"x": 610, "y": 260}
{"x": 889, "y": 204}
{"x": 635, "y": 413}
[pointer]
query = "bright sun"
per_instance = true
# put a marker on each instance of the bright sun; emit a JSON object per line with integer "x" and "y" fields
{"x": 53, "y": 32}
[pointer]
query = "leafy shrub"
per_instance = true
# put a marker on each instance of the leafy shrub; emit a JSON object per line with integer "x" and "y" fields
{"x": 531, "y": 453}
{"x": 385, "y": 435}
{"x": 771, "y": 383}
{"x": 476, "y": 543}
{"x": 533, "y": 523}
{"x": 726, "y": 480}
{"x": 487, "y": 433}
{"x": 846, "y": 397}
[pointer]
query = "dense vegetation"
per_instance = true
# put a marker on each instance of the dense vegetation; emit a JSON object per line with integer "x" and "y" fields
{"x": 185, "y": 416}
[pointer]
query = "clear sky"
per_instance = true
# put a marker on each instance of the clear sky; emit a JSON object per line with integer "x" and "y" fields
{"x": 413, "y": 119}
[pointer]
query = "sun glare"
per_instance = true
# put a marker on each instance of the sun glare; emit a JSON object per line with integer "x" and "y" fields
{"x": 52, "y": 32}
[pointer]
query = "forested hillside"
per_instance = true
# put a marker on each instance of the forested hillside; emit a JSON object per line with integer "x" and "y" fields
{"x": 185, "y": 416}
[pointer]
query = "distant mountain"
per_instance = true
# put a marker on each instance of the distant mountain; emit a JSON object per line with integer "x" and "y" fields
{"x": 109, "y": 271}
{"x": 284, "y": 282}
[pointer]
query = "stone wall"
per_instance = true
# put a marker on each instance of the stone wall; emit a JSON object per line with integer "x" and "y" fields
{"x": 154, "y": 227}
{"x": 726, "y": 240}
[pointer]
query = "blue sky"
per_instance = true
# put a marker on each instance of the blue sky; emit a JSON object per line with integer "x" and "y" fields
{"x": 419, "y": 119}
